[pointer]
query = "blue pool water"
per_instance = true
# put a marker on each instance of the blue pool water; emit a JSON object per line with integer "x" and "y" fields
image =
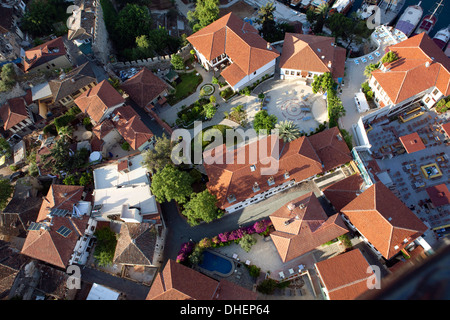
{"x": 213, "y": 262}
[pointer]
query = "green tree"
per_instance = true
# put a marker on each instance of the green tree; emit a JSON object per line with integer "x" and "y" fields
{"x": 323, "y": 83}
{"x": 246, "y": 242}
{"x": 144, "y": 48}
{"x": 267, "y": 20}
{"x": 157, "y": 158}
{"x": 170, "y": 184}
{"x": 6, "y": 190}
{"x": 105, "y": 247}
{"x": 5, "y": 148}
{"x": 65, "y": 132}
{"x": 389, "y": 57}
{"x": 202, "y": 207}
{"x": 237, "y": 114}
{"x": 264, "y": 120}
{"x": 8, "y": 77}
{"x": 132, "y": 21}
{"x": 209, "y": 110}
{"x": 369, "y": 68}
{"x": 177, "y": 62}
{"x": 196, "y": 257}
{"x": 287, "y": 130}
{"x": 206, "y": 12}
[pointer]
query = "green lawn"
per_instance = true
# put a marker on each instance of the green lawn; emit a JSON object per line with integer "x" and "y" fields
{"x": 187, "y": 86}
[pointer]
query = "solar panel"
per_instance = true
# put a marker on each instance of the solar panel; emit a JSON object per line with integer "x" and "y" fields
{"x": 64, "y": 231}
{"x": 59, "y": 212}
{"x": 34, "y": 226}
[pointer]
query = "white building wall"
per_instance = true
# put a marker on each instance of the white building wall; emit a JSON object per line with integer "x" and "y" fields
{"x": 258, "y": 73}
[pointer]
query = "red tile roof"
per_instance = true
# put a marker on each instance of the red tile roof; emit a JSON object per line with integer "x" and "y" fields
{"x": 97, "y": 100}
{"x": 312, "y": 53}
{"x": 303, "y": 228}
{"x": 439, "y": 195}
{"x": 384, "y": 220}
{"x": 411, "y": 74}
{"x": 344, "y": 191}
{"x": 239, "y": 41}
{"x": 446, "y": 128}
{"x": 48, "y": 245}
{"x": 144, "y": 87}
{"x": 297, "y": 157}
{"x": 301, "y": 158}
{"x": 412, "y": 142}
{"x": 331, "y": 148}
{"x": 131, "y": 127}
{"x": 13, "y": 112}
{"x": 178, "y": 282}
{"x": 43, "y": 53}
{"x": 345, "y": 276}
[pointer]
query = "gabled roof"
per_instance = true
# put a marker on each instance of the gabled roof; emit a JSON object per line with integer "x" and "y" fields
{"x": 46, "y": 243}
{"x": 384, "y": 220}
{"x": 297, "y": 157}
{"x": 178, "y": 282}
{"x": 239, "y": 41}
{"x": 72, "y": 81}
{"x": 144, "y": 87}
{"x": 97, "y": 100}
{"x": 421, "y": 66}
{"x": 13, "y": 112}
{"x": 412, "y": 142}
{"x": 303, "y": 227}
{"x": 44, "y": 53}
{"x": 344, "y": 191}
{"x": 136, "y": 244}
{"x": 312, "y": 53}
{"x": 302, "y": 158}
{"x": 331, "y": 148}
{"x": 130, "y": 126}
{"x": 345, "y": 276}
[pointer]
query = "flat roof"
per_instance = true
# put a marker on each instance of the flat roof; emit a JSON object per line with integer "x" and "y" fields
{"x": 109, "y": 175}
{"x": 136, "y": 195}
{"x": 412, "y": 142}
{"x": 99, "y": 292}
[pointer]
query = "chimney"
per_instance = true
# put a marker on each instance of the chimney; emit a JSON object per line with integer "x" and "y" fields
{"x": 268, "y": 46}
{"x": 329, "y": 64}
{"x": 291, "y": 206}
{"x": 323, "y": 57}
{"x": 427, "y": 64}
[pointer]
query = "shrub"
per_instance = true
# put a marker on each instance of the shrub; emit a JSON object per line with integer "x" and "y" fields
{"x": 50, "y": 130}
{"x": 254, "y": 271}
{"x": 185, "y": 251}
{"x": 247, "y": 241}
{"x": 214, "y": 80}
{"x": 125, "y": 146}
{"x": 267, "y": 286}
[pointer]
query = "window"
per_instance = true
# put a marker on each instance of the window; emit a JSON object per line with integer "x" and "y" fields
{"x": 292, "y": 73}
{"x": 254, "y": 73}
{"x": 286, "y": 175}
{"x": 286, "y": 72}
{"x": 231, "y": 198}
{"x": 298, "y": 73}
{"x": 435, "y": 92}
{"x": 256, "y": 187}
{"x": 271, "y": 181}
{"x": 427, "y": 99}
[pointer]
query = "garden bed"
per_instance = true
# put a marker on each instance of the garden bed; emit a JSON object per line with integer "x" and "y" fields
{"x": 185, "y": 85}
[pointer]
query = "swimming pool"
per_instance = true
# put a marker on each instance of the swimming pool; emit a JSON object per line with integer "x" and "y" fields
{"x": 217, "y": 264}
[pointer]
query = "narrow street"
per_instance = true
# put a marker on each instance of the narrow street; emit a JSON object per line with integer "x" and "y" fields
{"x": 132, "y": 290}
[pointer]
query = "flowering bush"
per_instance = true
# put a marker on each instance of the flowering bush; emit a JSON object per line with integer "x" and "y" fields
{"x": 185, "y": 251}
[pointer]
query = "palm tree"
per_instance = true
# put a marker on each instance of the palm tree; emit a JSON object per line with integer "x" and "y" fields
{"x": 369, "y": 68}
{"x": 323, "y": 9}
{"x": 237, "y": 114}
{"x": 287, "y": 130}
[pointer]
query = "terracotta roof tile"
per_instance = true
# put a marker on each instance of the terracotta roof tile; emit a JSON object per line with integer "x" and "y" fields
{"x": 305, "y": 52}
{"x": 411, "y": 74}
{"x": 344, "y": 276}
{"x": 131, "y": 127}
{"x": 238, "y": 40}
{"x": 44, "y": 53}
{"x": 144, "y": 87}
{"x": 344, "y": 191}
{"x": 13, "y": 112}
{"x": 97, "y": 100}
{"x": 46, "y": 244}
{"x": 303, "y": 228}
{"x": 384, "y": 220}
{"x": 439, "y": 195}
{"x": 412, "y": 142}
